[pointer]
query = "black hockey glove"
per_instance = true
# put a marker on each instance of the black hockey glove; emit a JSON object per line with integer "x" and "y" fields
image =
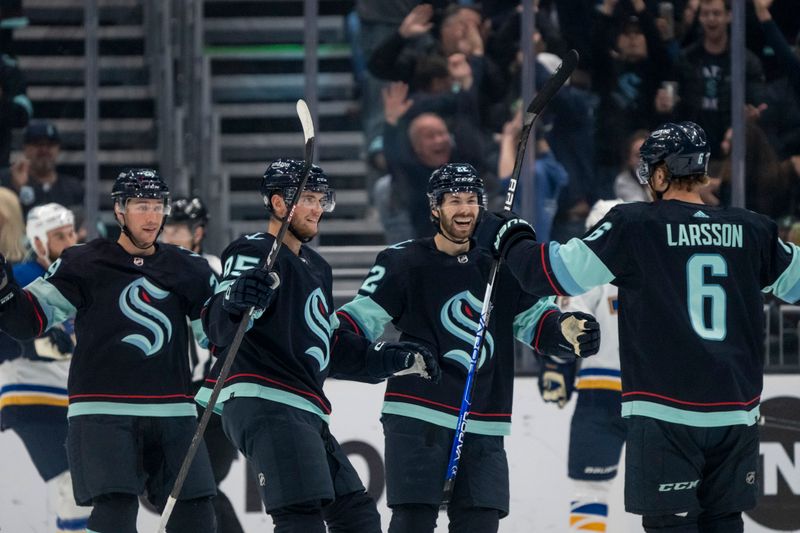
{"x": 61, "y": 340}
{"x": 254, "y": 288}
{"x": 557, "y": 380}
{"x": 7, "y": 284}
{"x": 498, "y": 232}
{"x": 385, "y": 359}
{"x": 572, "y": 335}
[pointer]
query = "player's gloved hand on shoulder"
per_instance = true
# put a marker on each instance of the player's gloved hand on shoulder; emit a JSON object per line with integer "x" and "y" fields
{"x": 498, "y": 232}
{"x": 570, "y": 335}
{"x": 557, "y": 380}
{"x": 6, "y": 282}
{"x": 254, "y": 288}
{"x": 386, "y": 359}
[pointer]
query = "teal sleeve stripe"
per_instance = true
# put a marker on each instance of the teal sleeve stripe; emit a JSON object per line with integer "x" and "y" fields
{"x": 479, "y": 427}
{"x": 14, "y": 22}
{"x": 55, "y": 306}
{"x": 24, "y": 102}
{"x": 199, "y": 334}
{"x": 131, "y": 409}
{"x": 787, "y": 286}
{"x": 254, "y": 390}
{"x": 223, "y": 286}
{"x": 369, "y": 316}
{"x": 577, "y": 268}
{"x": 690, "y": 418}
{"x": 525, "y": 322}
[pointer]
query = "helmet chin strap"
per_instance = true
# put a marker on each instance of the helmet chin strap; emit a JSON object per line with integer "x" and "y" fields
{"x": 134, "y": 241}
{"x": 440, "y": 232}
{"x": 438, "y": 223}
{"x": 297, "y": 236}
{"x": 303, "y": 240}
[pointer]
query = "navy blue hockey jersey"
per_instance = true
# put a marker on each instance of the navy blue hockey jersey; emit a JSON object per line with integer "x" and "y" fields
{"x": 292, "y": 347}
{"x": 435, "y": 299}
{"x": 130, "y": 324}
{"x": 690, "y": 280}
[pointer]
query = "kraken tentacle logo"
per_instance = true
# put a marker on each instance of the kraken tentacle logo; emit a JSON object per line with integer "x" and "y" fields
{"x": 318, "y": 318}
{"x": 460, "y": 316}
{"x": 134, "y": 302}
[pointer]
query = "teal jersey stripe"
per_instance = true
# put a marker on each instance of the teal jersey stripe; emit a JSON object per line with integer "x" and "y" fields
{"x": 55, "y": 306}
{"x": 131, "y": 409}
{"x": 14, "y": 22}
{"x": 576, "y": 267}
{"x": 222, "y": 286}
{"x": 204, "y": 394}
{"x": 24, "y": 102}
{"x": 370, "y": 316}
{"x": 690, "y": 418}
{"x": 525, "y": 322}
{"x": 199, "y": 334}
{"x": 787, "y": 286}
{"x": 479, "y": 427}
{"x": 254, "y": 390}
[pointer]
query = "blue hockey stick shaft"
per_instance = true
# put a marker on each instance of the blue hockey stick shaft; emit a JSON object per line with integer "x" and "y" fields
{"x": 535, "y": 109}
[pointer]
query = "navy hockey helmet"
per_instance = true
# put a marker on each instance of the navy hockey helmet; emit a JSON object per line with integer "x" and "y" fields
{"x": 190, "y": 211}
{"x": 683, "y": 147}
{"x": 283, "y": 177}
{"x": 455, "y": 177}
{"x": 140, "y": 183}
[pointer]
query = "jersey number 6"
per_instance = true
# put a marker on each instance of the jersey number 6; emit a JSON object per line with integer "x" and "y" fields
{"x": 698, "y": 291}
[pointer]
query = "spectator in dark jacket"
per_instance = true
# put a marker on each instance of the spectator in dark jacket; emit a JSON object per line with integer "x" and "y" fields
{"x": 34, "y": 176}
{"x": 704, "y": 75}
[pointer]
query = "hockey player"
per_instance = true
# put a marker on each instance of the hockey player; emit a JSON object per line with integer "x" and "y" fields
{"x": 273, "y": 406}
{"x": 186, "y": 227}
{"x": 691, "y": 330}
{"x": 33, "y": 375}
{"x": 431, "y": 289}
{"x": 597, "y": 432}
{"x": 130, "y": 411}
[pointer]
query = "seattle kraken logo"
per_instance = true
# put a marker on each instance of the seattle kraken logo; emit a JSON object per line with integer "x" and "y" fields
{"x": 135, "y": 304}
{"x": 319, "y": 322}
{"x": 460, "y": 316}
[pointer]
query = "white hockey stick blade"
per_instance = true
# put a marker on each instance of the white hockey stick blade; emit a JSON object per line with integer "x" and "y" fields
{"x": 305, "y": 119}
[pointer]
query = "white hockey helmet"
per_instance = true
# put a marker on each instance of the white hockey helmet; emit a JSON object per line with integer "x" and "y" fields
{"x": 599, "y": 210}
{"x": 44, "y": 218}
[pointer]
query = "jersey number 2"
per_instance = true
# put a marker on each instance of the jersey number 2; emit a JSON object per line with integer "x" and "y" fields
{"x": 698, "y": 292}
{"x": 375, "y": 275}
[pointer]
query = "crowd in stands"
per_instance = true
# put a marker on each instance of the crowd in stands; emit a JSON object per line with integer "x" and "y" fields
{"x": 450, "y": 80}
{"x": 440, "y": 82}
{"x": 30, "y": 177}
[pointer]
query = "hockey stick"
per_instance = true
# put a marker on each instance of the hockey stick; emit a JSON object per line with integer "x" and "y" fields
{"x": 536, "y": 107}
{"x": 308, "y": 132}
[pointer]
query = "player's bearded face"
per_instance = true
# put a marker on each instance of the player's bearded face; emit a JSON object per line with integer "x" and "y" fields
{"x": 458, "y": 214}
{"x": 307, "y": 214}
